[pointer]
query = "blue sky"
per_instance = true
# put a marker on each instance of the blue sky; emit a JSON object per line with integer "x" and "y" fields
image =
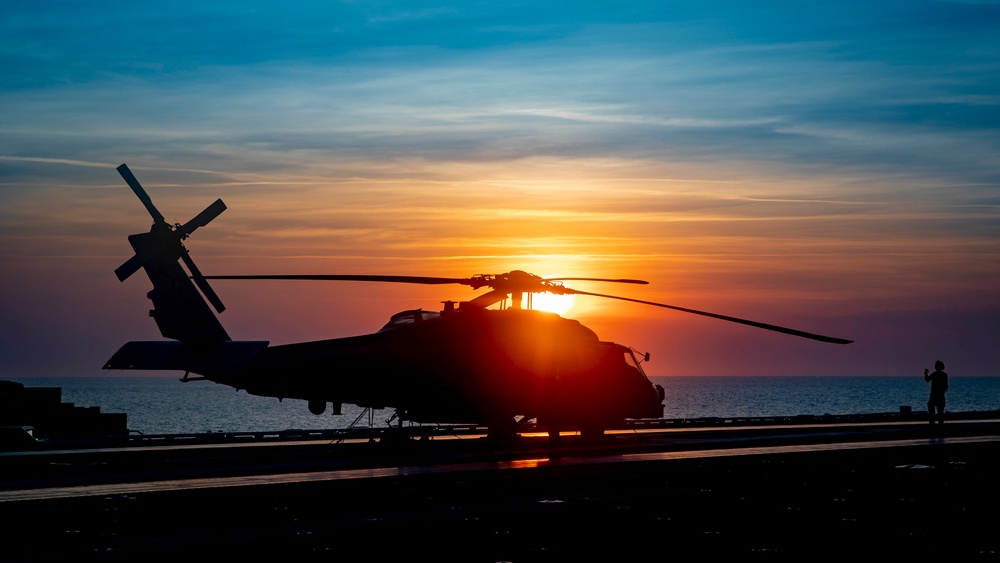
{"x": 828, "y": 165}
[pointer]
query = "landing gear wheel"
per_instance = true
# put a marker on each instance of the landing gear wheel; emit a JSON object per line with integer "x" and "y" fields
{"x": 554, "y": 434}
{"x": 317, "y": 407}
{"x": 503, "y": 429}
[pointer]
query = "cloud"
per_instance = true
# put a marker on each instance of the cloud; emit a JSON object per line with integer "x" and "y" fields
{"x": 823, "y": 156}
{"x": 56, "y": 161}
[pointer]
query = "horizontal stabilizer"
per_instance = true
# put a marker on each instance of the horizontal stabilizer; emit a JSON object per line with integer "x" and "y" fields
{"x": 216, "y": 357}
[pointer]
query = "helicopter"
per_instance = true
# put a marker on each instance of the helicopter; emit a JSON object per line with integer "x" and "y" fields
{"x": 465, "y": 364}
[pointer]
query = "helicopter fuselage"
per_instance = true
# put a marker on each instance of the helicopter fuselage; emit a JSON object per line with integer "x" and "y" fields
{"x": 464, "y": 366}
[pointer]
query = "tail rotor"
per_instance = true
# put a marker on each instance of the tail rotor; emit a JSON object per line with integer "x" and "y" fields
{"x": 165, "y": 237}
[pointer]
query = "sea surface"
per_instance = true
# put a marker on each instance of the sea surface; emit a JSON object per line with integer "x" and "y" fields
{"x": 164, "y": 405}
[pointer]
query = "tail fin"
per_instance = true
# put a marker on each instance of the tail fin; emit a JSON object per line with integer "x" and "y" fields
{"x": 179, "y": 310}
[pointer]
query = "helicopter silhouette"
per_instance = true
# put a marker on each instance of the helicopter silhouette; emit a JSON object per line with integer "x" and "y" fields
{"x": 465, "y": 364}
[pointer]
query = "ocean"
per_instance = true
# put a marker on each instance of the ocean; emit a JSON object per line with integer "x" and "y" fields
{"x": 164, "y": 405}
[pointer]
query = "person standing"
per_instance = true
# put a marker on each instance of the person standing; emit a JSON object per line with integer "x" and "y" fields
{"x": 939, "y": 384}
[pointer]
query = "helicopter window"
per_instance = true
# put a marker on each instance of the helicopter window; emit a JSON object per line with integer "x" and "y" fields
{"x": 409, "y": 317}
{"x": 633, "y": 362}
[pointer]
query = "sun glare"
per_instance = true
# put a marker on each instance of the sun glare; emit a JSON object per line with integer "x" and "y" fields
{"x": 559, "y": 304}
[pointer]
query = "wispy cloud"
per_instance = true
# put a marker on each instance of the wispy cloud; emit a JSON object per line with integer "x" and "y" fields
{"x": 56, "y": 161}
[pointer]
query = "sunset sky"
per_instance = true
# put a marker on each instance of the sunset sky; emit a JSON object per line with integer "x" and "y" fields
{"x": 829, "y": 166}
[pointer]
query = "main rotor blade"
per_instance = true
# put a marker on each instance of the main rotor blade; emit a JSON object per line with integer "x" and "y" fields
{"x": 368, "y": 278}
{"x": 199, "y": 280}
{"x": 476, "y": 282}
{"x": 203, "y": 218}
{"x": 643, "y": 282}
{"x": 756, "y": 324}
{"x": 140, "y": 193}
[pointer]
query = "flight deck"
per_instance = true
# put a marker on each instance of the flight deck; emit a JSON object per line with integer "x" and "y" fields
{"x": 771, "y": 492}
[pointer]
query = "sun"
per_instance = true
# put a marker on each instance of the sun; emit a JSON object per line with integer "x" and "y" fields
{"x": 559, "y": 304}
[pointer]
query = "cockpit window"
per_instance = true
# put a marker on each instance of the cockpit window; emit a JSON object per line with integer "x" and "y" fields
{"x": 632, "y": 361}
